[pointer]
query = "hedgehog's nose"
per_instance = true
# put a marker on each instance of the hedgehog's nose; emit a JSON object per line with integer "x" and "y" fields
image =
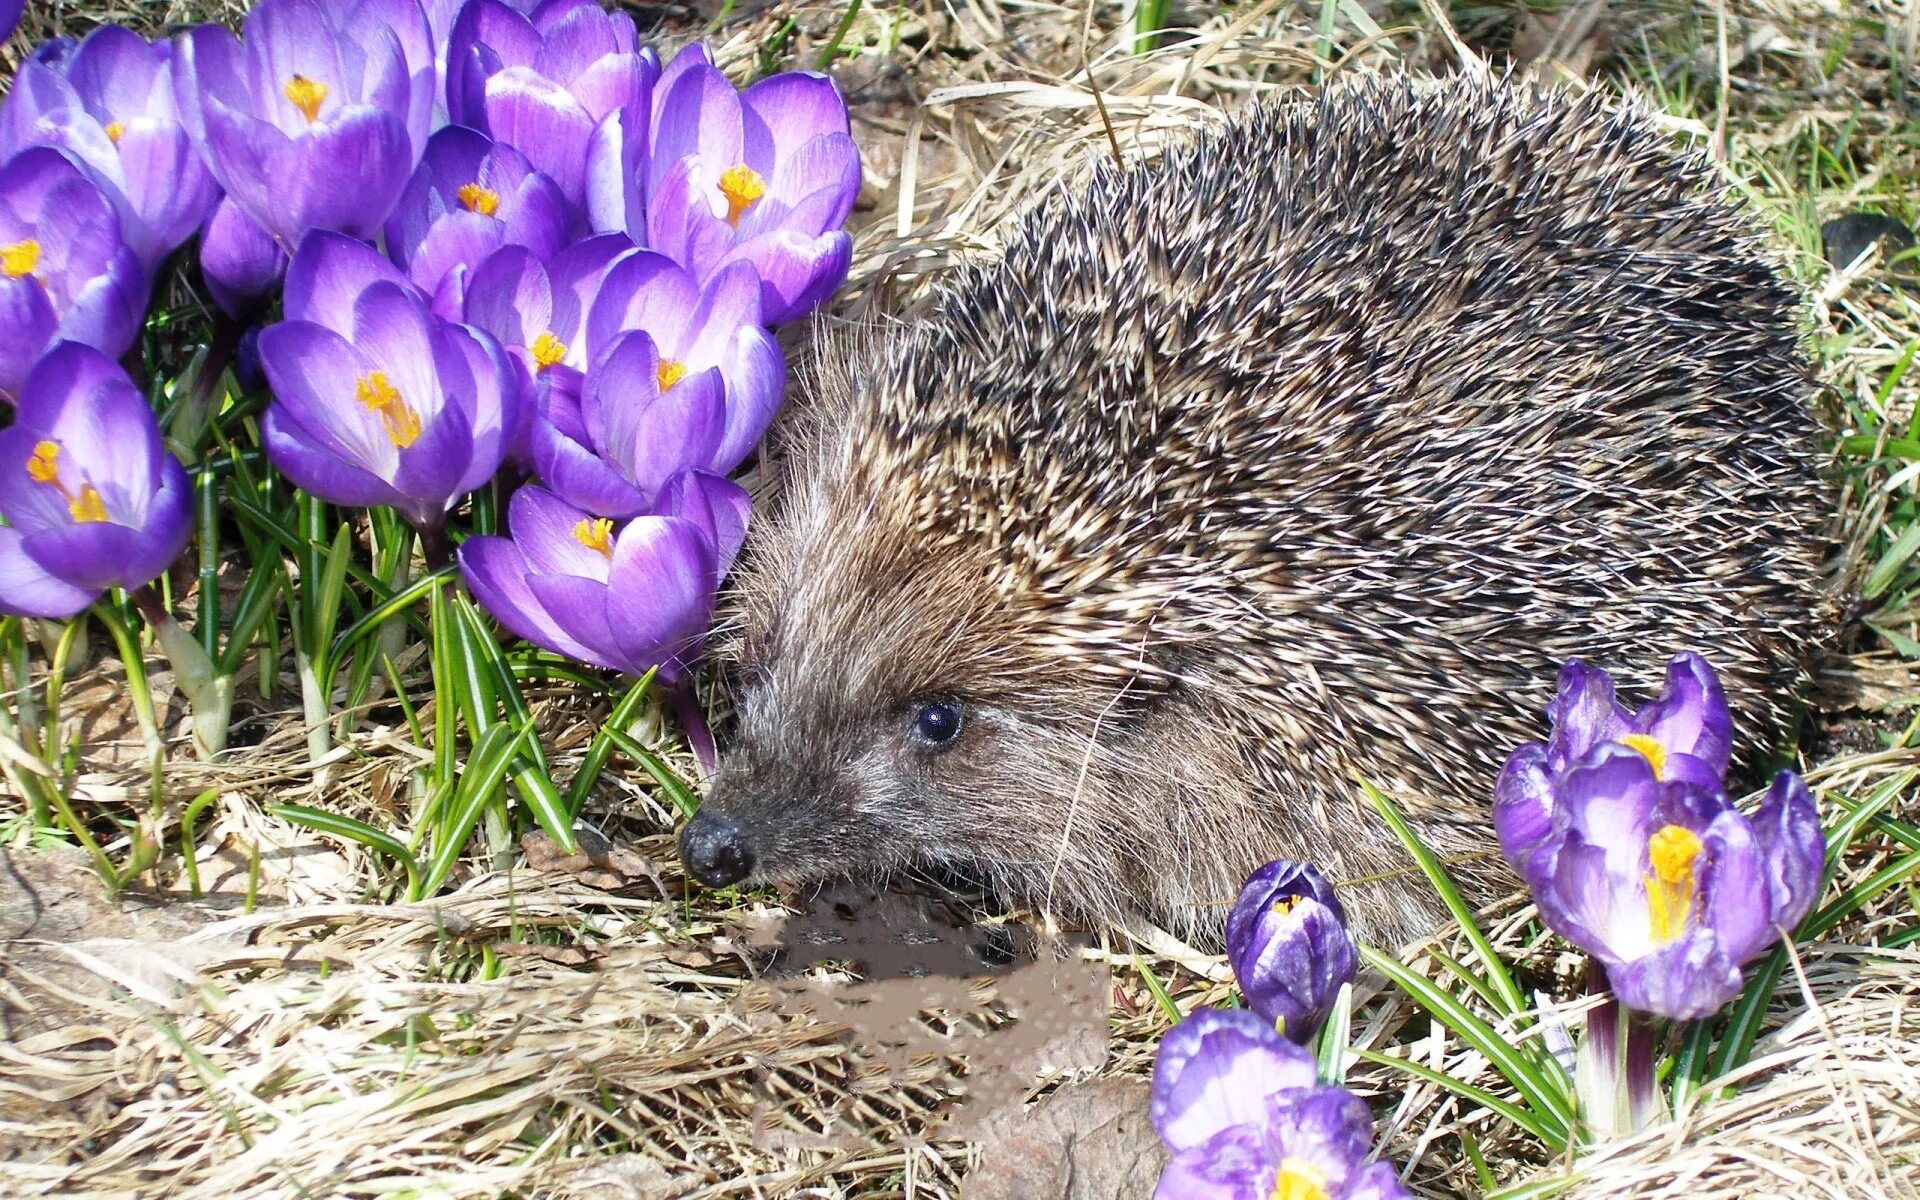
{"x": 714, "y": 852}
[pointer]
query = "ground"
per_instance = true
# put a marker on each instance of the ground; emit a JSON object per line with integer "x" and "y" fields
{"x": 593, "y": 1026}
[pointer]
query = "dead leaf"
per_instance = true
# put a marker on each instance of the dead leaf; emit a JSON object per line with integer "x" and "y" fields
{"x": 1090, "y": 1140}
{"x": 599, "y": 864}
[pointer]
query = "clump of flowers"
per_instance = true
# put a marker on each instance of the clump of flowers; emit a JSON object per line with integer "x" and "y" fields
{"x": 1622, "y": 827}
{"x": 508, "y": 242}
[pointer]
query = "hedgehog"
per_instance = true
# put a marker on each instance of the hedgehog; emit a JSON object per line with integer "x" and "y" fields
{"x": 1302, "y": 456}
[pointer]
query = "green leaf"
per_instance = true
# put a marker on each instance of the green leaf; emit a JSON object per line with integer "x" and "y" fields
{"x": 595, "y": 760}
{"x": 357, "y": 831}
{"x": 675, "y": 788}
{"x": 1888, "y": 569}
{"x": 485, "y": 773}
{"x": 1526, "y": 1119}
{"x": 1158, "y": 990}
{"x": 1509, "y": 1001}
{"x": 1545, "y": 1091}
{"x": 1334, "y": 1036}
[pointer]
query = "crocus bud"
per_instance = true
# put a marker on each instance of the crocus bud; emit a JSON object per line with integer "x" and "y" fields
{"x": 1288, "y": 942}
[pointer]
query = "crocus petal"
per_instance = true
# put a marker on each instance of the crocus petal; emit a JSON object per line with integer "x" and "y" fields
{"x": 546, "y": 529}
{"x": 797, "y": 273}
{"x": 1684, "y": 980}
{"x": 698, "y": 114}
{"x": 315, "y": 375}
{"x": 316, "y": 469}
{"x": 27, "y": 324}
{"x": 239, "y": 260}
{"x": 87, "y": 554}
{"x": 496, "y": 573}
{"x": 580, "y": 477}
{"x": 784, "y": 112}
{"x": 580, "y": 607}
{"x": 1524, "y": 801}
{"x": 344, "y": 174}
{"x": 1690, "y": 716}
{"x": 716, "y": 504}
{"x": 755, "y": 377}
{"x": 661, "y": 589}
{"x": 1233, "y": 1164}
{"x": 1584, "y": 714}
{"x": 27, "y": 590}
{"x": 328, "y": 276}
{"x": 1375, "y": 1181}
{"x": 1217, "y": 1069}
{"x": 545, "y": 122}
{"x": 1793, "y": 847}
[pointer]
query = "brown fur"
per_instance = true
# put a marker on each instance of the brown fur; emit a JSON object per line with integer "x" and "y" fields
{"x": 1308, "y": 453}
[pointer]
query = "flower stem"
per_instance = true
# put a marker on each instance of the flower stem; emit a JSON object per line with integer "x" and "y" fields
{"x": 693, "y": 719}
{"x": 436, "y": 546}
{"x": 1614, "y": 1077}
{"x": 209, "y": 694}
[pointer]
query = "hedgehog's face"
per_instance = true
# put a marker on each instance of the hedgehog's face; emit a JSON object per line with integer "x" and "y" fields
{"x": 846, "y": 771}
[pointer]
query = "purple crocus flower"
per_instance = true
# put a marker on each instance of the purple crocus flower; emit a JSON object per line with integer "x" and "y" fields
{"x": 469, "y": 197}
{"x": 1288, "y": 942}
{"x": 10, "y": 11}
{"x": 108, "y": 104}
{"x": 550, "y": 83}
{"x": 376, "y": 400}
{"x": 1684, "y": 734}
{"x": 310, "y": 121}
{"x": 626, "y": 596}
{"x": 696, "y": 329}
{"x": 65, "y": 272}
{"x": 766, "y": 176}
{"x": 1634, "y": 858}
{"x": 92, "y": 500}
{"x": 1246, "y": 1119}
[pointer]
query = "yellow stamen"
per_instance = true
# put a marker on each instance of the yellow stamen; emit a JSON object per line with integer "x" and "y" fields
{"x": 475, "y": 198}
{"x": 548, "y": 350}
{"x": 307, "y": 95}
{"x": 403, "y": 424}
{"x": 669, "y": 372}
{"x": 115, "y": 131}
{"x": 1650, "y": 749}
{"x": 742, "y": 186}
{"x": 596, "y": 534}
{"x": 1299, "y": 1180}
{"x": 1286, "y": 904}
{"x": 87, "y": 506}
{"x": 19, "y": 259}
{"x": 44, "y": 466}
{"x": 1671, "y": 852}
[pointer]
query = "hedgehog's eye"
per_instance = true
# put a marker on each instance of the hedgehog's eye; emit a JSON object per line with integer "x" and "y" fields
{"x": 936, "y": 723}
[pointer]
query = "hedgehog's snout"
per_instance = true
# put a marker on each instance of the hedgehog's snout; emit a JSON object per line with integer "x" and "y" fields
{"x": 715, "y": 851}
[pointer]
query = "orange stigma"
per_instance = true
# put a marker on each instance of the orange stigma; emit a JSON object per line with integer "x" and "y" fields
{"x": 19, "y": 259}
{"x": 548, "y": 350}
{"x": 1671, "y": 852}
{"x": 403, "y": 424}
{"x": 477, "y": 199}
{"x": 596, "y": 534}
{"x": 307, "y": 95}
{"x": 669, "y": 372}
{"x": 743, "y": 187}
{"x": 115, "y": 131}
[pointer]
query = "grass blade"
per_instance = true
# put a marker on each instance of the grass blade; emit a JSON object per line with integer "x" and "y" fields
{"x": 1510, "y": 1002}
{"x": 1524, "y": 1118}
{"x": 356, "y": 831}
{"x": 1544, "y": 1093}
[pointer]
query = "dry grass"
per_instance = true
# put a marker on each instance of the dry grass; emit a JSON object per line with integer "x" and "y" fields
{"x": 529, "y": 1035}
